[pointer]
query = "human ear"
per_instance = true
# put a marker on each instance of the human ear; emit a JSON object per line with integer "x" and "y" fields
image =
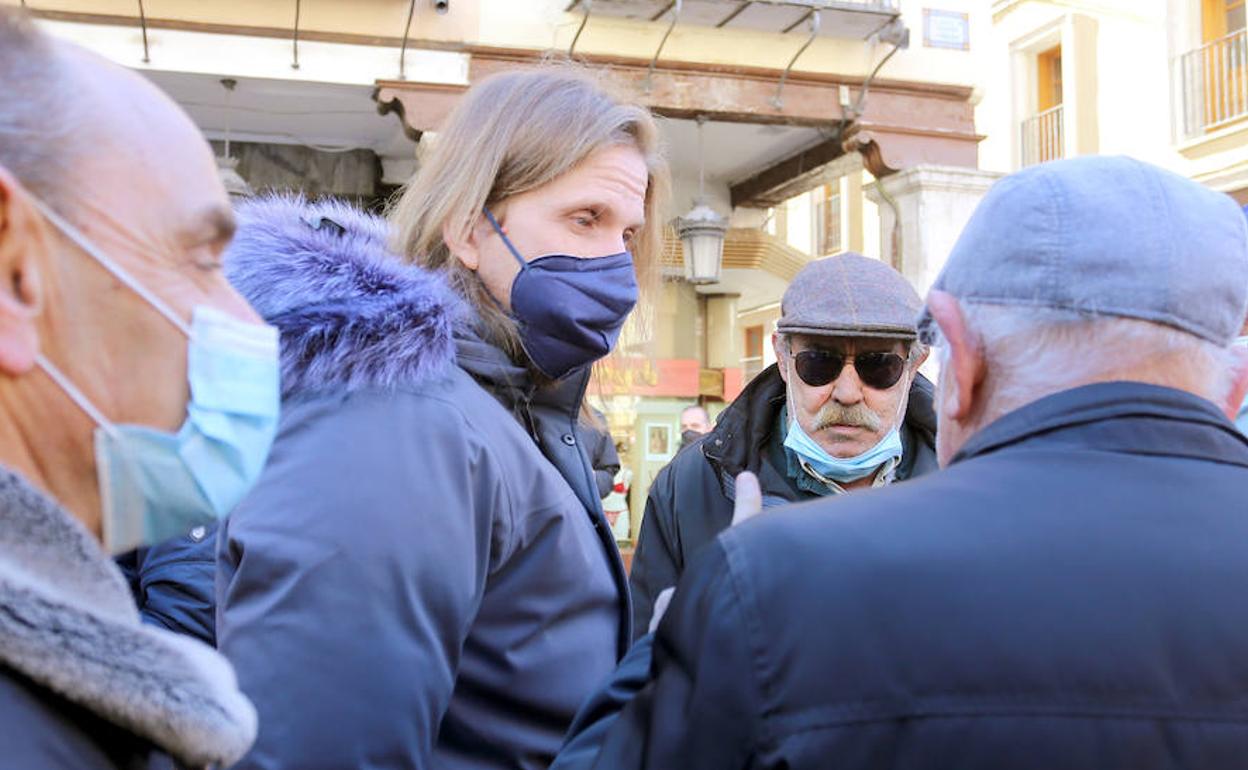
{"x": 463, "y": 243}
{"x": 918, "y": 362}
{"x": 24, "y": 237}
{"x": 966, "y": 355}
{"x": 780, "y": 346}
{"x": 1239, "y": 382}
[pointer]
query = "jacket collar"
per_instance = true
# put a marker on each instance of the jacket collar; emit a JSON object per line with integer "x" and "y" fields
{"x": 1118, "y": 416}
{"x": 513, "y": 384}
{"x": 351, "y": 314}
{"x": 69, "y": 624}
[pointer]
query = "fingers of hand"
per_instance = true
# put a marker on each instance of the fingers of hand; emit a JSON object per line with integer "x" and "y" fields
{"x": 749, "y": 498}
{"x": 660, "y": 606}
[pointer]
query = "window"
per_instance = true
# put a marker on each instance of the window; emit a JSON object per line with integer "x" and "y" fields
{"x": 778, "y": 221}
{"x": 1043, "y": 134}
{"x": 1220, "y": 63}
{"x": 752, "y": 361}
{"x": 1221, "y": 17}
{"x": 1049, "y": 79}
{"x": 826, "y": 219}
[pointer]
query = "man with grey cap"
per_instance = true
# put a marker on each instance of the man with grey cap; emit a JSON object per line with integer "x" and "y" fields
{"x": 1067, "y": 592}
{"x": 844, "y": 408}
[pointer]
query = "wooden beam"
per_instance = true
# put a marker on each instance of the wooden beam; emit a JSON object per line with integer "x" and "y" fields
{"x": 680, "y": 92}
{"x": 899, "y": 130}
{"x": 775, "y": 184}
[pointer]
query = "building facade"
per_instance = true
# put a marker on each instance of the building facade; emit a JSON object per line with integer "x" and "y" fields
{"x": 781, "y": 115}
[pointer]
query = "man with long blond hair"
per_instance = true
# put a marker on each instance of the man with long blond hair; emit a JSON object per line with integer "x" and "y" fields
{"x": 423, "y": 576}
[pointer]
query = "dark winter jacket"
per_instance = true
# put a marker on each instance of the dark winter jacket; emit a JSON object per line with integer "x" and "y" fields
{"x": 172, "y": 583}
{"x": 690, "y": 500}
{"x": 602, "y": 455}
{"x": 83, "y": 684}
{"x": 1068, "y": 594}
{"x": 422, "y": 577}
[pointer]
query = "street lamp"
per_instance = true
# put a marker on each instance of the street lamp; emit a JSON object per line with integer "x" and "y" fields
{"x": 702, "y": 231}
{"x": 701, "y": 234}
{"x": 227, "y": 165}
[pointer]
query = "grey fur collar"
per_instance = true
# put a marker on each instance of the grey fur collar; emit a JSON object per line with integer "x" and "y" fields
{"x": 68, "y": 623}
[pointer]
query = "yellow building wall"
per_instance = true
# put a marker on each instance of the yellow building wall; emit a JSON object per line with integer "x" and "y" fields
{"x": 542, "y": 24}
{"x": 1115, "y": 78}
{"x": 1121, "y": 82}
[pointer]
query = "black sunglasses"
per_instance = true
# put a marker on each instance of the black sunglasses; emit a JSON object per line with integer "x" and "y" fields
{"x": 876, "y": 369}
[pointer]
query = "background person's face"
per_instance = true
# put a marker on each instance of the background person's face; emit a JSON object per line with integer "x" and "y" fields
{"x": 694, "y": 420}
{"x": 591, "y": 211}
{"x": 845, "y": 416}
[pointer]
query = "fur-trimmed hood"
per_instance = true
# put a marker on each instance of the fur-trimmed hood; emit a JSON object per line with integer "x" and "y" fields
{"x": 68, "y": 623}
{"x": 351, "y": 314}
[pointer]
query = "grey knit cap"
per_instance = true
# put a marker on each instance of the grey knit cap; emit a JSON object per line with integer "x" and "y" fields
{"x": 849, "y": 295}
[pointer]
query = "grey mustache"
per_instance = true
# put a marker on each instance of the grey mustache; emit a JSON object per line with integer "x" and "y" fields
{"x": 857, "y": 415}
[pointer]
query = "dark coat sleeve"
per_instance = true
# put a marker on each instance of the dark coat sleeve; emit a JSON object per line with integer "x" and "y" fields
{"x": 349, "y": 577}
{"x": 700, "y": 707}
{"x": 657, "y": 561}
{"x": 602, "y": 457}
{"x": 172, "y": 583}
{"x": 599, "y": 714}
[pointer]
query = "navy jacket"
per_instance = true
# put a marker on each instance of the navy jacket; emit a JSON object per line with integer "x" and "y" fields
{"x": 172, "y": 583}
{"x": 1068, "y": 594}
{"x": 422, "y": 576}
{"x": 40, "y": 729}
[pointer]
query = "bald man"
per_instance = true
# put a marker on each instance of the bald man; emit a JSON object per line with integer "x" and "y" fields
{"x": 126, "y": 363}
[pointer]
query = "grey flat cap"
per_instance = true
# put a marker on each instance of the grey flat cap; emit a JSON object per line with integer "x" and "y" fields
{"x": 1106, "y": 236}
{"x": 849, "y": 295}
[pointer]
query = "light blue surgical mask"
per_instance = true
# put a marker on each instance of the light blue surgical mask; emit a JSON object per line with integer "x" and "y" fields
{"x": 156, "y": 485}
{"x": 842, "y": 469}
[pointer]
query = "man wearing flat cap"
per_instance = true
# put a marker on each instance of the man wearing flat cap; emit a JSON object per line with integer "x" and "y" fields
{"x": 843, "y": 409}
{"x": 1066, "y": 593}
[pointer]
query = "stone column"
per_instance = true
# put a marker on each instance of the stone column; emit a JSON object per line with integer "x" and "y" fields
{"x": 934, "y": 202}
{"x": 723, "y": 344}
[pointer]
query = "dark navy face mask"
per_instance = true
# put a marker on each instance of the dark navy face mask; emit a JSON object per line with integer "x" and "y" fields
{"x": 570, "y": 310}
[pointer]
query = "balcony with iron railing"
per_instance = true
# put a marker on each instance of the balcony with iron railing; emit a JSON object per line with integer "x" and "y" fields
{"x": 1042, "y": 137}
{"x": 1212, "y": 85}
{"x": 841, "y": 18}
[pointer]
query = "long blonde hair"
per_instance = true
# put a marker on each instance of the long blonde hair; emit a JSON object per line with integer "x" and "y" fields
{"x": 511, "y": 133}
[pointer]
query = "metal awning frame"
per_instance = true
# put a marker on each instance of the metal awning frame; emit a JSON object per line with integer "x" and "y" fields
{"x": 890, "y": 30}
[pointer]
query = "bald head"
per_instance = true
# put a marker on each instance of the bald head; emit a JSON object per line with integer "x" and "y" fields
{"x": 73, "y": 125}
{"x": 36, "y": 134}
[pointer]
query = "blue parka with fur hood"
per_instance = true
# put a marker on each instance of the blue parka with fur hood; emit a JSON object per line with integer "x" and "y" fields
{"x": 423, "y": 576}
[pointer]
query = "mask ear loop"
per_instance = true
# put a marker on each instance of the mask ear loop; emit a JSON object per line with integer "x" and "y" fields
{"x": 87, "y": 246}
{"x": 75, "y": 395}
{"x": 524, "y": 265}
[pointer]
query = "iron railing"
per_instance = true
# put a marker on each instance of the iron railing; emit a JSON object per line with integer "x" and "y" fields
{"x": 1043, "y": 137}
{"x": 1213, "y": 84}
